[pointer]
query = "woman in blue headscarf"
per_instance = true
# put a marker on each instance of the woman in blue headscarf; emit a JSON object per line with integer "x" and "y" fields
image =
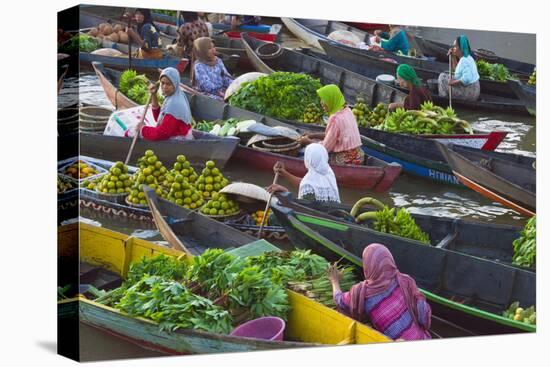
{"x": 174, "y": 117}
{"x": 465, "y": 82}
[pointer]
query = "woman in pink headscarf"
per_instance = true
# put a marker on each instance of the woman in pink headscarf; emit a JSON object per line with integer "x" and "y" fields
{"x": 389, "y": 299}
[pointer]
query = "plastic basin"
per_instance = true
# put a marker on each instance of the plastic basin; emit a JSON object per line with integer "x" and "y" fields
{"x": 268, "y": 328}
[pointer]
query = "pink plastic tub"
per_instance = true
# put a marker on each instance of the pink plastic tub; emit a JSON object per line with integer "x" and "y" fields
{"x": 269, "y": 328}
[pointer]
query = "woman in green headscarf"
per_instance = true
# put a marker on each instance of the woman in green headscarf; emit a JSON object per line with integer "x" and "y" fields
{"x": 407, "y": 78}
{"x": 341, "y": 137}
{"x": 465, "y": 82}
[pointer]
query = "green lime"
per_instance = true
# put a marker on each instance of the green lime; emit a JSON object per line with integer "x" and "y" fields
{"x": 210, "y": 164}
{"x": 149, "y": 153}
{"x": 181, "y": 158}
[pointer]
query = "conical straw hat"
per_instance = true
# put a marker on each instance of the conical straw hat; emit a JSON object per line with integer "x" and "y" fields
{"x": 246, "y": 190}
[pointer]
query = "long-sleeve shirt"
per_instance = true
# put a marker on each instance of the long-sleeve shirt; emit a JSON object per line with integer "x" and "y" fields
{"x": 389, "y": 314}
{"x": 399, "y": 42}
{"x": 168, "y": 127}
{"x": 466, "y": 70}
{"x": 150, "y": 36}
{"x": 416, "y": 97}
{"x": 342, "y": 133}
{"x": 212, "y": 80}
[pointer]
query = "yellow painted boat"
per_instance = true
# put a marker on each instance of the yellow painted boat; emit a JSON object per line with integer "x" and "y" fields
{"x": 309, "y": 323}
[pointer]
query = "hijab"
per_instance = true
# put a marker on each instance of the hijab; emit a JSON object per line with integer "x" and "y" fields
{"x": 176, "y": 104}
{"x": 464, "y": 44}
{"x": 319, "y": 174}
{"x": 407, "y": 73}
{"x": 380, "y": 271}
{"x": 332, "y": 96}
{"x": 201, "y": 47}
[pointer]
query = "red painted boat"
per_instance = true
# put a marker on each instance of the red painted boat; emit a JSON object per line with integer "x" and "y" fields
{"x": 261, "y": 36}
{"x": 377, "y": 175}
{"x": 369, "y": 27}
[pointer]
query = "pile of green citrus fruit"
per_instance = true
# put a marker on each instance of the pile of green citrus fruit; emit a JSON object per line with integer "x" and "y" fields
{"x": 181, "y": 167}
{"x": 116, "y": 181}
{"x": 184, "y": 194}
{"x": 211, "y": 180}
{"x": 361, "y": 112}
{"x": 219, "y": 204}
{"x": 151, "y": 172}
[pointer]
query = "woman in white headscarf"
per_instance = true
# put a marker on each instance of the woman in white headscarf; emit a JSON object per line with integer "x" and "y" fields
{"x": 174, "y": 117}
{"x": 318, "y": 184}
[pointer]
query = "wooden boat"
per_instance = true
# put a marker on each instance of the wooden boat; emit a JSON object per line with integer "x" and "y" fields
{"x": 526, "y": 93}
{"x": 104, "y": 252}
{"x": 486, "y": 102}
{"x": 351, "y": 85}
{"x": 489, "y": 241}
{"x": 316, "y": 33}
{"x": 507, "y": 179}
{"x": 439, "y": 51}
{"x": 470, "y": 291}
{"x": 376, "y": 174}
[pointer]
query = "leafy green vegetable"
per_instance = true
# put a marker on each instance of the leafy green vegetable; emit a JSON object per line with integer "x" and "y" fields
{"x": 281, "y": 94}
{"x": 497, "y": 72}
{"x": 161, "y": 265}
{"x": 81, "y": 43}
{"x": 525, "y": 247}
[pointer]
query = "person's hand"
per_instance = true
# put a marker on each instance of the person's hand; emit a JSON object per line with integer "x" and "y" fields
{"x": 377, "y": 32}
{"x": 276, "y": 188}
{"x": 334, "y": 274}
{"x": 153, "y": 88}
{"x": 376, "y": 48}
{"x": 377, "y": 39}
{"x": 450, "y": 52}
{"x": 304, "y": 140}
{"x": 279, "y": 167}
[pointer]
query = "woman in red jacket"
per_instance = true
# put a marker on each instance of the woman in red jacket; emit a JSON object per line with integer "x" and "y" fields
{"x": 174, "y": 117}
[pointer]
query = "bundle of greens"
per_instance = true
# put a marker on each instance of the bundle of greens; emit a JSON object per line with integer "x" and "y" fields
{"x": 205, "y": 126}
{"x": 136, "y": 87}
{"x": 166, "y": 12}
{"x": 525, "y": 247}
{"x": 281, "y": 95}
{"x": 399, "y": 223}
{"x": 81, "y": 43}
{"x": 430, "y": 120}
{"x": 497, "y": 72}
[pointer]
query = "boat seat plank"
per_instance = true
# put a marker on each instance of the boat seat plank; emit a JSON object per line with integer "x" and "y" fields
{"x": 447, "y": 241}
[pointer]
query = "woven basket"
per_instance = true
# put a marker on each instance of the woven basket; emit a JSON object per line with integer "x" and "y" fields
{"x": 114, "y": 198}
{"x": 269, "y": 51}
{"x": 223, "y": 218}
{"x": 95, "y": 113}
{"x": 291, "y": 149}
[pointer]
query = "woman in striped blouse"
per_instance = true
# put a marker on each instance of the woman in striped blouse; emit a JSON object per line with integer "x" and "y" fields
{"x": 389, "y": 299}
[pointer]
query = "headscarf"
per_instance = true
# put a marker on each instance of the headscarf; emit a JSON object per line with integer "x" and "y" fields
{"x": 380, "y": 270}
{"x": 177, "y": 104}
{"x": 201, "y": 47}
{"x": 464, "y": 44}
{"x": 147, "y": 18}
{"x": 332, "y": 96}
{"x": 407, "y": 73}
{"x": 319, "y": 174}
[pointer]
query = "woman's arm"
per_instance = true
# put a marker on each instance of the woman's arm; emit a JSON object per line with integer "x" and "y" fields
{"x": 167, "y": 128}
{"x": 226, "y": 76}
{"x": 135, "y": 37}
{"x": 279, "y": 168}
{"x": 204, "y": 82}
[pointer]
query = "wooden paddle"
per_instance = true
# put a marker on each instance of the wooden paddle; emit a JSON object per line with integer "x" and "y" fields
{"x": 138, "y": 128}
{"x": 264, "y": 218}
{"x": 450, "y": 77}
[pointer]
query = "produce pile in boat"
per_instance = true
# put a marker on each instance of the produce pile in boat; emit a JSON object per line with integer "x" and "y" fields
{"x": 533, "y": 78}
{"x": 229, "y": 127}
{"x": 116, "y": 181}
{"x": 312, "y": 114}
{"x": 258, "y": 217}
{"x": 211, "y": 180}
{"x": 64, "y": 184}
{"x": 525, "y": 247}
{"x": 217, "y": 291}
{"x": 517, "y": 313}
{"x": 431, "y": 119}
{"x": 136, "y": 87}
{"x": 151, "y": 173}
{"x": 181, "y": 167}
{"x": 397, "y": 222}
{"x": 366, "y": 117}
{"x": 109, "y": 32}
{"x": 497, "y": 72}
{"x": 80, "y": 170}
{"x": 220, "y": 204}
{"x": 80, "y": 43}
{"x": 184, "y": 193}
{"x": 281, "y": 95}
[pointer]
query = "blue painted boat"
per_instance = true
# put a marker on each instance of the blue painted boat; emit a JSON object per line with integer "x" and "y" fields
{"x": 123, "y": 62}
{"x": 169, "y": 19}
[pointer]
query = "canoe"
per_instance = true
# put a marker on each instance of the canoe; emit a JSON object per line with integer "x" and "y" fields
{"x": 470, "y": 291}
{"x": 489, "y": 241}
{"x": 351, "y": 84}
{"x": 526, "y": 93}
{"x": 486, "y": 102}
{"x": 380, "y": 62}
{"x": 507, "y": 179}
{"x": 106, "y": 252}
{"x": 439, "y": 51}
